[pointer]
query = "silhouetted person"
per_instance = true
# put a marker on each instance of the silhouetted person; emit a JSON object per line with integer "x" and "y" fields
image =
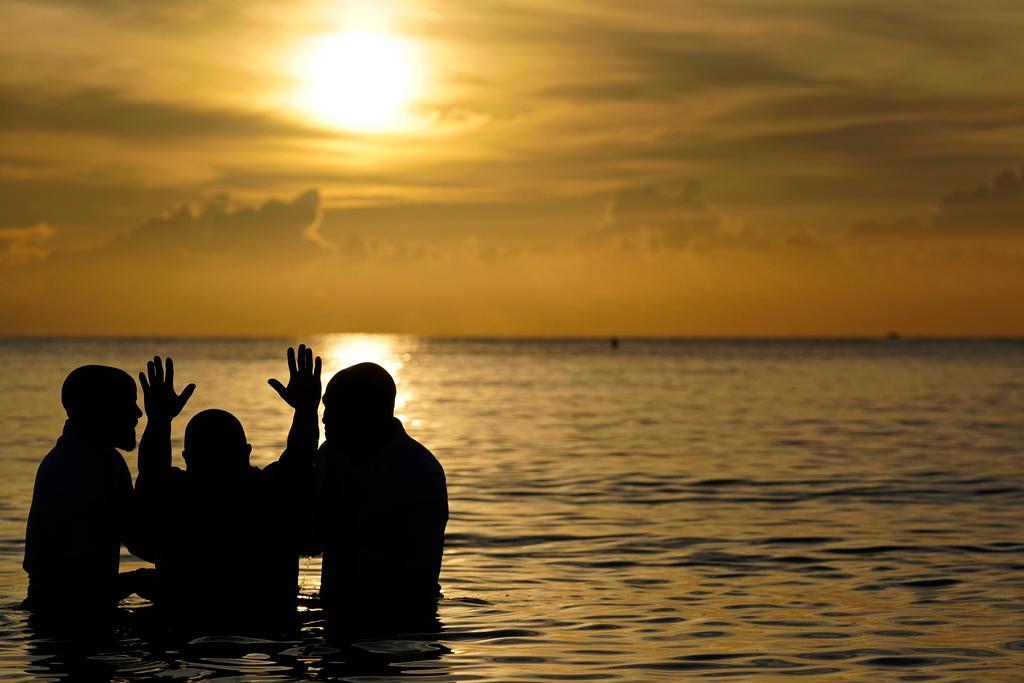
{"x": 225, "y": 533}
{"x": 381, "y": 508}
{"x": 82, "y": 507}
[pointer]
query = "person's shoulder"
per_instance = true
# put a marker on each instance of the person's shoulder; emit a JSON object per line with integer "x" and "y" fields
{"x": 176, "y": 474}
{"x": 423, "y": 453}
{"x": 170, "y": 481}
{"x": 269, "y": 477}
{"x": 413, "y": 458}
{"x": 256, "y": 474}
{"x": 65, "y": 455}
{"x": 118, "y": 461}
{"x": 53, "y": 458}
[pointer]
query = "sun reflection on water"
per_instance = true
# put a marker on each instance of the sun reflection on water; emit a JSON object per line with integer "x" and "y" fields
{"x": 340, "y": 351}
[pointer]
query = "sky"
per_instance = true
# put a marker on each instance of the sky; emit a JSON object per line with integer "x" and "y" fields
{"x": 512, "y": 167}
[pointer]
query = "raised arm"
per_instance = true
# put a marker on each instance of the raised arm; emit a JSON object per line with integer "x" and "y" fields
{"x": 303, "y": 395}
{"x": 163, "y": 404}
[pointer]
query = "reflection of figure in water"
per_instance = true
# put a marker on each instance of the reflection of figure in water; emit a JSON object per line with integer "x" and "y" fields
{"x": 225, "y": 533}
{"x": 381, "y": 508}
{"x": 82, "y": 503}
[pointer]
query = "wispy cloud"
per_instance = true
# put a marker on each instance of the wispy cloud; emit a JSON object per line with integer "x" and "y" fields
{"x": 19, "y": 246}
{"x": 110, "y": 113}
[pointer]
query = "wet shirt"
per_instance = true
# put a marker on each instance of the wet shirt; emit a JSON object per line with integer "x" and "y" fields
{"x": 226, "y": 548}
{"x": 81, "y": 513}
{"x": 381, "y": 518}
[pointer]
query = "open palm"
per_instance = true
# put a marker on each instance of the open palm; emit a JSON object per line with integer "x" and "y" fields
{"x": 303, "y": 390}
{"x": 161, "y": 400}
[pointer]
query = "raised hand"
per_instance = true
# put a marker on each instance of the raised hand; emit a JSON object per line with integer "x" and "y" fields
{"x": 303, "y": 390}
{"x": 162, "y": 402}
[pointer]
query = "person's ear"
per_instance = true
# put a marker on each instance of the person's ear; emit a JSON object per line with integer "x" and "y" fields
{"x": 248, "y": 451}
{"x": 187, "y": 457}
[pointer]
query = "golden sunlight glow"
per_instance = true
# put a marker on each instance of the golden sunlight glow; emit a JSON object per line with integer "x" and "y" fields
{"x": 360, "y": 81}
{"x": 343, "y": 350}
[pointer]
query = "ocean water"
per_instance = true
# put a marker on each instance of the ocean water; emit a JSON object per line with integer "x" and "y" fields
{"x": 671, "y": 510}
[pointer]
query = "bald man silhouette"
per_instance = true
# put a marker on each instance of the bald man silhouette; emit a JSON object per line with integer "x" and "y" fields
{"x": 225, "y": 533}
{"x": 381, "y": 509}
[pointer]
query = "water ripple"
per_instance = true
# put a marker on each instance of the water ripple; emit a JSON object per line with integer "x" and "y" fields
{"x": 754, "y": 510}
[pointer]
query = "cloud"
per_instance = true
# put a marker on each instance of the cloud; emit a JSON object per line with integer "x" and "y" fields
{"x": 107, "y": 112}
{"x": 19, "y": 246}
{"x": 170, "y": 12}
{"x": 804, "y": 241}
{"x": 951, "y": 29}
{"x": 192, "y": 237}
{"x": 667, "y": 216}
{"x": 224, "y": 228}
{"x": 222, "y": 266}
{"x": 980, "y": 223}
{"x": 761, "y": 100}
{"x": 991, "y": 210}
{"x": 860, "y": 103}
{"x": 652, "y": 72}
{"x": 996, "y": 207}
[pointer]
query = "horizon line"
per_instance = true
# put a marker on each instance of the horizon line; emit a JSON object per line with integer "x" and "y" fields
{"x": 885, "y": 336}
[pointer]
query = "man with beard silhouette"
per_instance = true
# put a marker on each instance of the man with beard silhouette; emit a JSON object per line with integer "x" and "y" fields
{"x": 82, "y": 507}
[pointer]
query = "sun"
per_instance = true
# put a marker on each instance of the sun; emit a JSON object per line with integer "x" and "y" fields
{"x": 360, "y": 81}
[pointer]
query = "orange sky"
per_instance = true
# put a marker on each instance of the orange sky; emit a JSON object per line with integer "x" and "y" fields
{"x": 519, "y": 167}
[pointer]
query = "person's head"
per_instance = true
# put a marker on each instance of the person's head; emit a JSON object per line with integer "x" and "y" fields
{"x": 215, "y": 445}
{"x": 101, "y": 404}
{"x": 358, "y": 404}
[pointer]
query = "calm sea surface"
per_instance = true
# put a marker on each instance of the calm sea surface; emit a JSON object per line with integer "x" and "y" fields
{"x": 672, "y": 510}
